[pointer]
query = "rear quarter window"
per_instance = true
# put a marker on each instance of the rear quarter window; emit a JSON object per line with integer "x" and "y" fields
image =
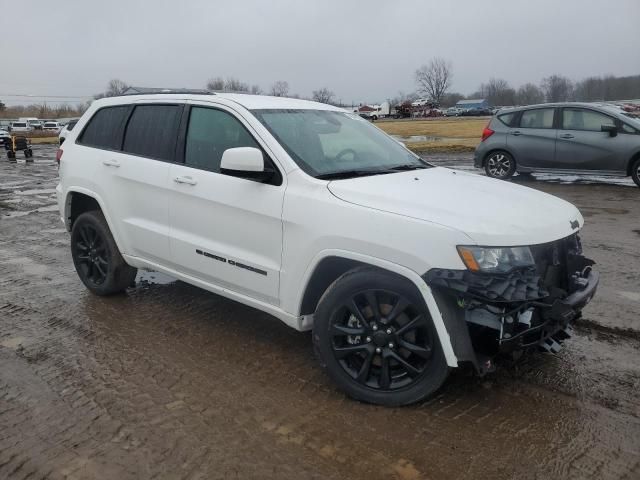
{"x": 105, "y": 128}
{"x": 507, "y": 118}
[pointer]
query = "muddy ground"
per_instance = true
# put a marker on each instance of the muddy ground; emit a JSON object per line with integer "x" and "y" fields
{"x": 169, "y": 381}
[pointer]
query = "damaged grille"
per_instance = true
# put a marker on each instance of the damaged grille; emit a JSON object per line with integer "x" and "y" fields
{"x": 555, "y": 263}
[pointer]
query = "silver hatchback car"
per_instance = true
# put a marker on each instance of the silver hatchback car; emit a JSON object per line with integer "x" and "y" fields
{"x": 573, "y": 138}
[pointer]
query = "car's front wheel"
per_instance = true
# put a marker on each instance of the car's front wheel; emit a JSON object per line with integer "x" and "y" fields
{"x": 96, "y": 257}
{"x": 376, "y": 339}
{"x": 635, "y": 172}
{"x": 500, "y": 165}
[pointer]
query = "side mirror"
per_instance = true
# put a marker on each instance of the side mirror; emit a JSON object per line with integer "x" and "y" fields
{"x": 245, "y": 162}
{"x": 612, "y": 129}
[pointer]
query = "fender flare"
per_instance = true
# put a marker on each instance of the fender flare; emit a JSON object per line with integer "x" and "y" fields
{"x": 101, "y": 203}
{"x": 405, "y": 272}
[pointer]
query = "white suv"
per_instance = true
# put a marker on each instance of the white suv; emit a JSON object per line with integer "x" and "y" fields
{"x": 317, "y": 217}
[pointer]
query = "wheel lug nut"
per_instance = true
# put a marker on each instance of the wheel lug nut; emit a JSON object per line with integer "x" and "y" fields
{"x": 378, "y": 350}
{"x": 368, "y": 339}
{"x": 374, "y": 327}
{"x": 389, "y": 331}
{"x": 391, "y": 345}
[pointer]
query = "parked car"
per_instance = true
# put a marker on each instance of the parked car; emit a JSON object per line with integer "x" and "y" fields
{"x": 65, "y": 130}
{"x": 4, "y": 137}
{"x": 317, "y": 217}
{"x": 52, "y": 127}
{"x": 477, "y": 112}
{"x": 21, "y": 127}
{"x": 33, "y": 122}
{"x": 573, "y": 138}
{"x": 453, "y": 112}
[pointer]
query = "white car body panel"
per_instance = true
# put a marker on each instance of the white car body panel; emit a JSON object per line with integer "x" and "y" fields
{"x": 406, "y": 223}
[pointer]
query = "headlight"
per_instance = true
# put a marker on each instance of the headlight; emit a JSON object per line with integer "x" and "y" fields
{"x": 495, "y": 259}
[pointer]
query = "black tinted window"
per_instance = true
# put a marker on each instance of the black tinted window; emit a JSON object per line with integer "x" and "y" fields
{"x": 71, "y": 124}
{"x": 152, "y": 131}
{"x": 210, "y": 133}
{"x": 105, "y": 128}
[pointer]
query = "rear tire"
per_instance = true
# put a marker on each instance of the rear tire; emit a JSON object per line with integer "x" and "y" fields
{"x": 96, "y": 257}
{"x": 500, "y": 165}
{"x": 374, "y": 336}
{"x": 635, "y": 172}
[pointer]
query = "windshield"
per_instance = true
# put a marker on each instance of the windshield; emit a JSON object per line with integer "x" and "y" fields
{"x": 325, "y": 143}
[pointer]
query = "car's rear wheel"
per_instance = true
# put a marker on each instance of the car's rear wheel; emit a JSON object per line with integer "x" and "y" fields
{"x": 635, "y": 172}
{"x": 96, "y": 257}
{"x": 375, "y": 338}
{"x": 500, "y": 165}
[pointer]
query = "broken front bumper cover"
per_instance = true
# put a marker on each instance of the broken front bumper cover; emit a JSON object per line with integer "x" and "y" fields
{"x": 523, "y": 312}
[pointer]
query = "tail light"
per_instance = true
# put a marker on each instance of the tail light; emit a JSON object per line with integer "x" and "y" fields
{"x": 486, "y": 133}
{"x": 59, "y": 156}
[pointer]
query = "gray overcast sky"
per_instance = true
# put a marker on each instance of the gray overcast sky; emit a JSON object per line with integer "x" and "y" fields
{"x": 362, "y": 50}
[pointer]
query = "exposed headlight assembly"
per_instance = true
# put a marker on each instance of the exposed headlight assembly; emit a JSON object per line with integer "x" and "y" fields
{"x": 495, "y": 259}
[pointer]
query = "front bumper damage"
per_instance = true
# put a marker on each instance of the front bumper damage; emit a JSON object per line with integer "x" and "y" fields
{"x": 530, "y": 307}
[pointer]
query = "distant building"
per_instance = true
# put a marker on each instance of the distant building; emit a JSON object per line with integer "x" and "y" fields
{"x": 473, "y": 103}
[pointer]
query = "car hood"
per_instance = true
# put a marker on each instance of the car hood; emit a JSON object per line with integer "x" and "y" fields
{"x": 490, "y": 212}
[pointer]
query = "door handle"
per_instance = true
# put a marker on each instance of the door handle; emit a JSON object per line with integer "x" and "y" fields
{"x": 516, "y": 133}
{"x": 185, "y": 179}
{"x": 111, "y": 163}
{"x": 566, "y": 135}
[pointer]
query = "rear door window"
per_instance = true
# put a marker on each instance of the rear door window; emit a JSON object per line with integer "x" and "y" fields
{"x": 152, "y": 131}
{"x": 105, "y": 128}
{"x": 583, "y": 119}
{"x": 537, "y": 118}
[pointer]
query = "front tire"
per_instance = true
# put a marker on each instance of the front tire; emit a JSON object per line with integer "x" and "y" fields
{"x": 96, "y": 257}
{"x": 375, "y": 338}
{"x": 635, "y": 172}
{"x": 500, "y": 165}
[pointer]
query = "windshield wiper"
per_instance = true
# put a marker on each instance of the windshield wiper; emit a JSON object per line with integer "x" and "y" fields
{"x": 409, "y": 166}
{"x": 350, "y": 174}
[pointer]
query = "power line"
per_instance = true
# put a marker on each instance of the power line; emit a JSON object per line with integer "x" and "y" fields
{"x": 29, "y": 95}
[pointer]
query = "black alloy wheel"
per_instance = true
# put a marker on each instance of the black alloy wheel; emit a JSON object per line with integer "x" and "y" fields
{"x": 92, "y": 256}
{"x": 381, "y": 340}
{"x": 376, "y": 339}
{"x": 96, "y": 257}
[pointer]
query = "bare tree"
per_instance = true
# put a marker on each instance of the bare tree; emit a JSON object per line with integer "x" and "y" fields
{"x": 529, "y": 94}
{"x": 557, "y": 88}
{"x": 3, "y": 107}
{"x": 115, "y": 87}
{"x": 434, "y": 78}
{"x": 215, "y": 84}
{"x": 498, "y": 92}
{"x": 323, "y": 95}
{"x": 280, "y": 88}
{"x": 256, "y": 90}
{"x": 450, "y": 99}
{"x": 234, "y": 85}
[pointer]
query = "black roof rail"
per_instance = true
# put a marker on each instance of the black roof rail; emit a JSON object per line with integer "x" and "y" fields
{"x": 155, "y": 91}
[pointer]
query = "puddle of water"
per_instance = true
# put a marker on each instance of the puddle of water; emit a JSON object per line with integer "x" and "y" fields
{"x": 423, "y": 138}
{"x": 155, "y": 278}
{"x": 630, "y": 296}
{"x": 12, "y": 343}
{"x": 36, "y": 192}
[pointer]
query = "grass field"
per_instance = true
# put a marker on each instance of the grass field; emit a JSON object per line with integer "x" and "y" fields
{"x": 448, "y": 134}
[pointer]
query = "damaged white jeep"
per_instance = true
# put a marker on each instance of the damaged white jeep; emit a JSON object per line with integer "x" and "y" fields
{"x": 402, "y": 270}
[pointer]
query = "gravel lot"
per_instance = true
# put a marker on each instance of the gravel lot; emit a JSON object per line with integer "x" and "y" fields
{"x": 169, "y": 381}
